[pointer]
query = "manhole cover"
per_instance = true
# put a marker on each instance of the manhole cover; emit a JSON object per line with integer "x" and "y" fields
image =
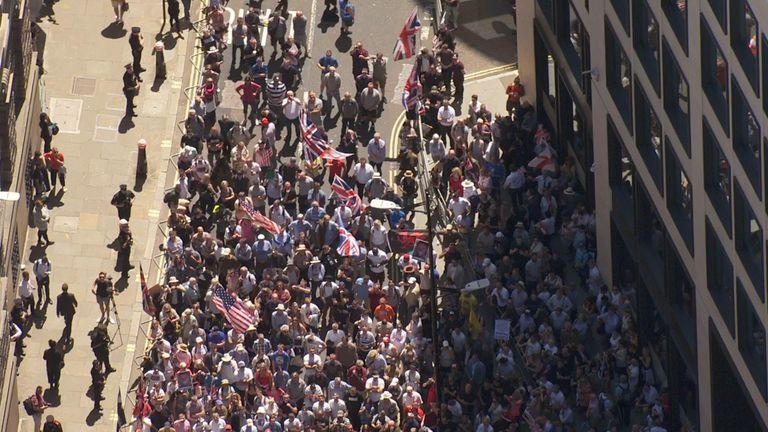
{"x": 84, "y": 86}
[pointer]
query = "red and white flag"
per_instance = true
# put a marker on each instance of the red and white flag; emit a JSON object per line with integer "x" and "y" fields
{"x": 258, "y": 218}
{"x": 405, "y": 46}
{"x": 233, "y": 309}
{"x": 544, "y": 161}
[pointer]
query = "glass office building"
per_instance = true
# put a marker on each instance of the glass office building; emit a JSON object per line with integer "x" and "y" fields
{"x": 661, "y": 105}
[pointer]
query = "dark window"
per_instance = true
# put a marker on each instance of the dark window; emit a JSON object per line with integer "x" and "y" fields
{"x": 679, "y": 197}
{"x": 622, "y": 10}
{"x": 619, "y": 75}
{"x": 744, "y": 31}
{"x": 720, "y": 8}
{"x": 547, "y": 6}
{"x": 621, "y": 172}
{"x": 717, "y": 177}
{"x": 676, "y": 98}
{"x": 649, "y": 135}
{"x": 573, "y": 38}
{"x": 645, "y": 39}
{"x": 681, "y": 292}
{"x": 714, "y": 74}
{"x": 765, "y": 71}
{"x": 751, "y": 335}
{"x": 720, "y": 278}
{"x": 746, "y": 137}
{"x": 749, "y": 239}
{"x": 677, "y": 14}
{"x": 650, "y": 230}
{"x": 575, "y": 130}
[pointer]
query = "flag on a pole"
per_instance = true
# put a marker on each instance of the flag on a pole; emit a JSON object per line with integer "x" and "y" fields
{"x": 233, "y": 309}
{"x": 412, "y": 91}
{"x": 314, "y": 145}
{"x": 342, "y": 189}
{"x": 355, "y": 204}
{"x": 348, "y": 245}
{"x": 121, "y": 420}
{"x": 405, "y": 46}
{"x": 146, "y": 298}
{"x": 258, "y": 218}
{"x": 544, "y": 161}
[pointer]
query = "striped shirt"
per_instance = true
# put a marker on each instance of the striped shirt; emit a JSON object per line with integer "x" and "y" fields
{"x": 276, "y": 93}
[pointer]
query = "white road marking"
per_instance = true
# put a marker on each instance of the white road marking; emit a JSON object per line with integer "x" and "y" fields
{"x": 231, "y": 21}
{"x": 426, "y": 25}
{"x": 263, "y": 31}
{"x": 311, "y": 24}
{"x": 401, "y": 79}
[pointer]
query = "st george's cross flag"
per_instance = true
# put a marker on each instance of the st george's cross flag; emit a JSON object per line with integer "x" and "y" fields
{"x": 233, "y": 309}
{"x": 405, "y": 46}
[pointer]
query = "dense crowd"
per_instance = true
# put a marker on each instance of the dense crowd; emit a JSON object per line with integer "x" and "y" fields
{"x": 287, "y": 305}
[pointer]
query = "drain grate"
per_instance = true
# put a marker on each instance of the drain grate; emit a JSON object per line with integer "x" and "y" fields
{"x": 82, "y": 86}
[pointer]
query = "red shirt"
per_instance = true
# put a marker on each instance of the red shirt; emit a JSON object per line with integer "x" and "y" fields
{"x": 250, "y": 91}
{"x": 515, "y": 92}
{"x": 54, "y": 163}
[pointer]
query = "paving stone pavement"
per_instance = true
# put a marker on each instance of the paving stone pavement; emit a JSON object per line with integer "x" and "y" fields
{"x": 84, "y": 60}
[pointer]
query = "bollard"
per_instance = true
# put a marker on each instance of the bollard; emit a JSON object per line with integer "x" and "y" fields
{"x": 159, "y": 61}
{"x": 141, "y": 163}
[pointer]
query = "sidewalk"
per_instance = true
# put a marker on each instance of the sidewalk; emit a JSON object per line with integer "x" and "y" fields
{"x": 84, "y": 61}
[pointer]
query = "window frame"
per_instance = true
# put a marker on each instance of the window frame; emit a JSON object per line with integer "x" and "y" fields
{"x": 671, "y": 97}
{"x": 746, "y": 237}
{"x": 741, "y": 113}
{"x": 718, "y": 94}
{"x": 654, "y": 160}
{"x": 616, "y": 59}
{"x": 678, "y": 21}
{"x": 721, "y": 201}
{"x": 740, "y": 41}
{"x": 641, "y": 12}
{"x": 719, "y": 266}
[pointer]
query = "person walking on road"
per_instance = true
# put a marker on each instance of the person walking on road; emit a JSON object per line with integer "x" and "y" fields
{"x": 39, "y": 405}
{"x": 41, "y": 217}
{"x": 123, "y": 200}
{"x": 331, "y": 83}
{"x": 26, "y": 292}
{"x": 66, "y": 305}
{"x": 124, "y": 242}
{"x": 52, "y": 425}
{"x": 136, "y": 41}
{"x": 54, "y": 160}
{"x": 118, "y": 6}
{"x": 349, "y": 110}
{"x": 249, "y": 95}
{"x": 131, "y": 88}
{"x": 173, "y": 15}
{"x": 42, "y": 270}
{"x": 380, "y": 74}
{"x": 292, "y": 108}
{"x": 98, "y": 378}
{"x": 239, "y": 37}
{"x": 347, "y": 15}
{"x": 46, "y": 131}
{"x": 100, "y": 346}
{"x": 102, "y": 289}
{"x": 300, "y": 33}
{"x": 54, "y": 363}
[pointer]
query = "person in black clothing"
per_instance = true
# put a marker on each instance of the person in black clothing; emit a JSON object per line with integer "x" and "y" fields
{"x": 97, "y": 384}
{"x": 124, "y": 241}
{"x": 54, "y": 362}
{"x": 100, "y": 346}
{"x": 123, "y": 200}
{"x": 130, "y": 89}
{"x": 45, "y": 131}
{"x": 136, "y": 41}
{"x": 173, "y": 15}
{"x": 52, "y": 425}
{"x": 65, "y": 306}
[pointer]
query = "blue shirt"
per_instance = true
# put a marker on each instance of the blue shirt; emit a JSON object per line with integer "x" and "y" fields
{"x": 395, "y": 217}
{"x": 256, "y": 69}
{"x": 216, "y": 337}
{"x": 314, "y": 214}
{"x": 261, "y": 250}
{"x": 326, "y": 62}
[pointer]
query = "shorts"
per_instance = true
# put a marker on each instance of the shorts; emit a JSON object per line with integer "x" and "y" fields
{"x": 102, "y": 301}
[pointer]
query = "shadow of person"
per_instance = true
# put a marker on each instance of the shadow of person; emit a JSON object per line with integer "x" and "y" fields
{"x": 126, "y": 124}
{"x": 329, "y": 19}
{"x": 52, "y": 396}
{"x": 35, "y": 252}
{"x": 115, "y": 245}
{"x": 138, "y": 182}
{"x": 65, "y": 345}
{"x": 93, "y": 417}
{"x": 55, "y": 200}
{"x": 343, "y": 43}
{"x": 40, "y": 316}
{"x": 114, "y": 31}
{"x": 121, "y": 284}
{"x": 156, "y": 84}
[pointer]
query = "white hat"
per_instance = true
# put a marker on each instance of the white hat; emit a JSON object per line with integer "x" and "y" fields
{"x": 281, "y": 307}
{"x": 260, "y": 237}
{"x": 123, "y": 222}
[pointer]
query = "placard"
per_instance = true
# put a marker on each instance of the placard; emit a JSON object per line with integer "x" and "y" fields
{"x": 501, "y": 330}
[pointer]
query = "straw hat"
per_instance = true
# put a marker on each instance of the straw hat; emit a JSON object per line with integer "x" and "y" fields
{"x": 408, "y": 173}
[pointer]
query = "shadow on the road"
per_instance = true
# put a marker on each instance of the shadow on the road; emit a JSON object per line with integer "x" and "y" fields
{"x": 40, "y": 316}
{"x": 93, "y": 417}
{"x": 115, "y": 245}
{"x": 138, "y": 183}
{"x": 52, "y": 396}
{"x": 54, "y": 200}
{"x": 65, "y": 346}
{"x": 114, "y": 31}
{"x": 36, "y": 252}
{"x": 169, "y": 40}
{"x": 343, "y": 43}
{"x": 156, "y": 84}
{"x": 235, "y": 74}
{"x": 121, "y": 284}
{"x": 126, "y": 124}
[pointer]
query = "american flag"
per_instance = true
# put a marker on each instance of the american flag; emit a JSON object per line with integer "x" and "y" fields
{"x": 258, "y": 218}
{"x": 315, "y": 146}
{"x": 233, "y": 308}
{"x": 412, "y": 91}
{"x": 263, "y": 157}
{"x": 348, "y": 245}
{"x": 146, "y": 298}
{"x": 406, "y": 42}
{"x": 342, "y": 189}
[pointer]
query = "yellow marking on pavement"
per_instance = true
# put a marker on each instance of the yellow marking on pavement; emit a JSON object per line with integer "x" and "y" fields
{"x": 129, "y": 348}
{"x": 165, "y": 143}
{"x": 394, "y": 143}
{"x": 489, "y": 71}
{"x": 153, "y": 213}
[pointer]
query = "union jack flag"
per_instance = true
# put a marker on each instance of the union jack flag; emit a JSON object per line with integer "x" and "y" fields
{"x": 342, "y": 189}
{"x": 315, "y": 146}
{"x": 406, "y": 42}
{"x": 348, "y": 245}
{"x": 412, "y": 91}
{"x": 233, "y": 309}
{"x": 355, "y": 204}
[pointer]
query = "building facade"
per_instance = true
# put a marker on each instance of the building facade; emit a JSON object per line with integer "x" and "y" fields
{"x": 20, "y": 105}
{"x": 660, "y": 104}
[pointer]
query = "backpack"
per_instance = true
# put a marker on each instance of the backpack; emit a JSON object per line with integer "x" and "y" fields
{"x": 29, "y": 408}
{"x": 54, "y": 129}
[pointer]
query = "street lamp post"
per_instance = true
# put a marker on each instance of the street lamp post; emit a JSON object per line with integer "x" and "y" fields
{"x": 433, "y": 308}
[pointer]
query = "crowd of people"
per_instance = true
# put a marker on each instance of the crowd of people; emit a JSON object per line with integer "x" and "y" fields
{"x": 291, "y": 301}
